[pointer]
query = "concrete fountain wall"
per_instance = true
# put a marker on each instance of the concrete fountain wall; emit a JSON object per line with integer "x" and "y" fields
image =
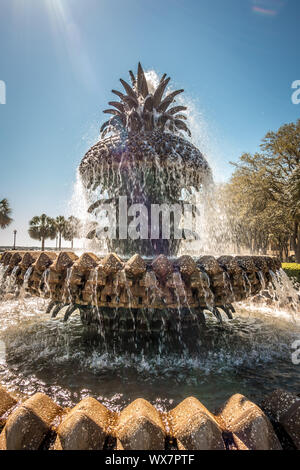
{"x": 37, "y": 423}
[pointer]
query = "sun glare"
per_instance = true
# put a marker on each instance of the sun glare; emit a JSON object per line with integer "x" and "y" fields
{"x": 67, "y": 32}
{"x": 64, "y": 32}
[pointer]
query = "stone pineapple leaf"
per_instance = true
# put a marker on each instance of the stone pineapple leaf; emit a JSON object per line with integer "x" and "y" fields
{"x": 117, "y": 105}
{"x": 182, "y": 126}
{"x": 181, "y": 116}
{"x": 142, "y": 86}
{"x": 132, "y": 77}
{"x": 159, "y": 92}
{"x": 177, "y": 109}
{"x": 119, "y": 94}
{"x": 140, "y": 110}
{"x": 148, "y": 105}
{"x": 131, "y": 102}
{"x": 112, "y": 111}
{"x": 168, "y": 100}
{"x": 128, "y": 89}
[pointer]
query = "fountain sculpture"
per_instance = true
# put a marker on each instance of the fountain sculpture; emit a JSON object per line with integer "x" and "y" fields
{"x": 141, "y": 286}
{"x": 144, "y": 293}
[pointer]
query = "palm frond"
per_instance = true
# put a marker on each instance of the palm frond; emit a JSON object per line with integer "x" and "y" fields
{"x": 5, "y": 212}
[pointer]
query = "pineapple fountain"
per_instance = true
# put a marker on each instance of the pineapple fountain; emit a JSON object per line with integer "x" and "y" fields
{"x": 142, "y": 289}
{"x": 145, "y": 159}
{"x": 150, "y": 300}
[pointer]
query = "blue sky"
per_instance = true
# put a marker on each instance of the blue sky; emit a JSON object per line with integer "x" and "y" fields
{"x": 236, "y": 60}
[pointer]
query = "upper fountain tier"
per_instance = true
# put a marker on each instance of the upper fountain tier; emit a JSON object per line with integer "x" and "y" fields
{"x": 145, "y": 131}
{"x": 155, "y": 150}
{"x": 142, "y": 154}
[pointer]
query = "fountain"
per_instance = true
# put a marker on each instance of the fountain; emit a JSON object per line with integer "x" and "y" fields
{"x": 148, "y": 294}
{"x": 142, "y": 161}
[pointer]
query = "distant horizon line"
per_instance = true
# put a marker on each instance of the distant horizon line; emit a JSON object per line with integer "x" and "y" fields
{"x": 19, "y": 247}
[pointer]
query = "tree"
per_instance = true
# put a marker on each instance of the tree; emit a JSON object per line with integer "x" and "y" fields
{"x": 41, "y": 228}
{"x": 263, "y": 196}
{"x": 282, "y": 154}
{"x": 5, "y": 212}
{"x": 60, "y": 223}
{"x": 72, "y": 229}
{"x": 255, "y": 219}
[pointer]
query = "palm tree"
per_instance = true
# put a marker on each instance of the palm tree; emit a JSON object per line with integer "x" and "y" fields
{"x": 5, "y": 212}
{"x": 72, "y": 229}
{"x": 60, "y": 223}
{"x": 41, "y": 228}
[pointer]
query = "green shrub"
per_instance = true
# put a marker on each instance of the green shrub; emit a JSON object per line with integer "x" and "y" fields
{"x": 292, "y": 270}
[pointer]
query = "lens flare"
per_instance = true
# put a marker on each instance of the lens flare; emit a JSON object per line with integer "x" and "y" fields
{"x": 269, "y": 8}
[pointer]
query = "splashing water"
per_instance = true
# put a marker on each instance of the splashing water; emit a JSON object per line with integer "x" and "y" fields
{"x": 24, "y": 286}
{"x": 78, "y": 207}
{"x": 281, "y": 299}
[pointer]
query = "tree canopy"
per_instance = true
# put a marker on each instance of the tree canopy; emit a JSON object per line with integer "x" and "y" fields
{"x": 5, "y": 213}
{"x": 72, "y": 229}
{"x": 263, "y": 195}
{"x": 41, "y": 228}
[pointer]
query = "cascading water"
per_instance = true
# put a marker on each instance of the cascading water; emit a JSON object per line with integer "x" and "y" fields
{"x": 251, "y": 354}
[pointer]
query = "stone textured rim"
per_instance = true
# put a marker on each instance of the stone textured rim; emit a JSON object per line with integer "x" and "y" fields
{"x": 38, "y": 423}
{"x": 137, "y": 283}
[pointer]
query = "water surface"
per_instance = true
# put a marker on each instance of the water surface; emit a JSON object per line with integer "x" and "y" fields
{"x": 250, "y": 354}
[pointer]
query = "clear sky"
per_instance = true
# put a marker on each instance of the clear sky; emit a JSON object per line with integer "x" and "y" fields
{"x": 59, "y": 59}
